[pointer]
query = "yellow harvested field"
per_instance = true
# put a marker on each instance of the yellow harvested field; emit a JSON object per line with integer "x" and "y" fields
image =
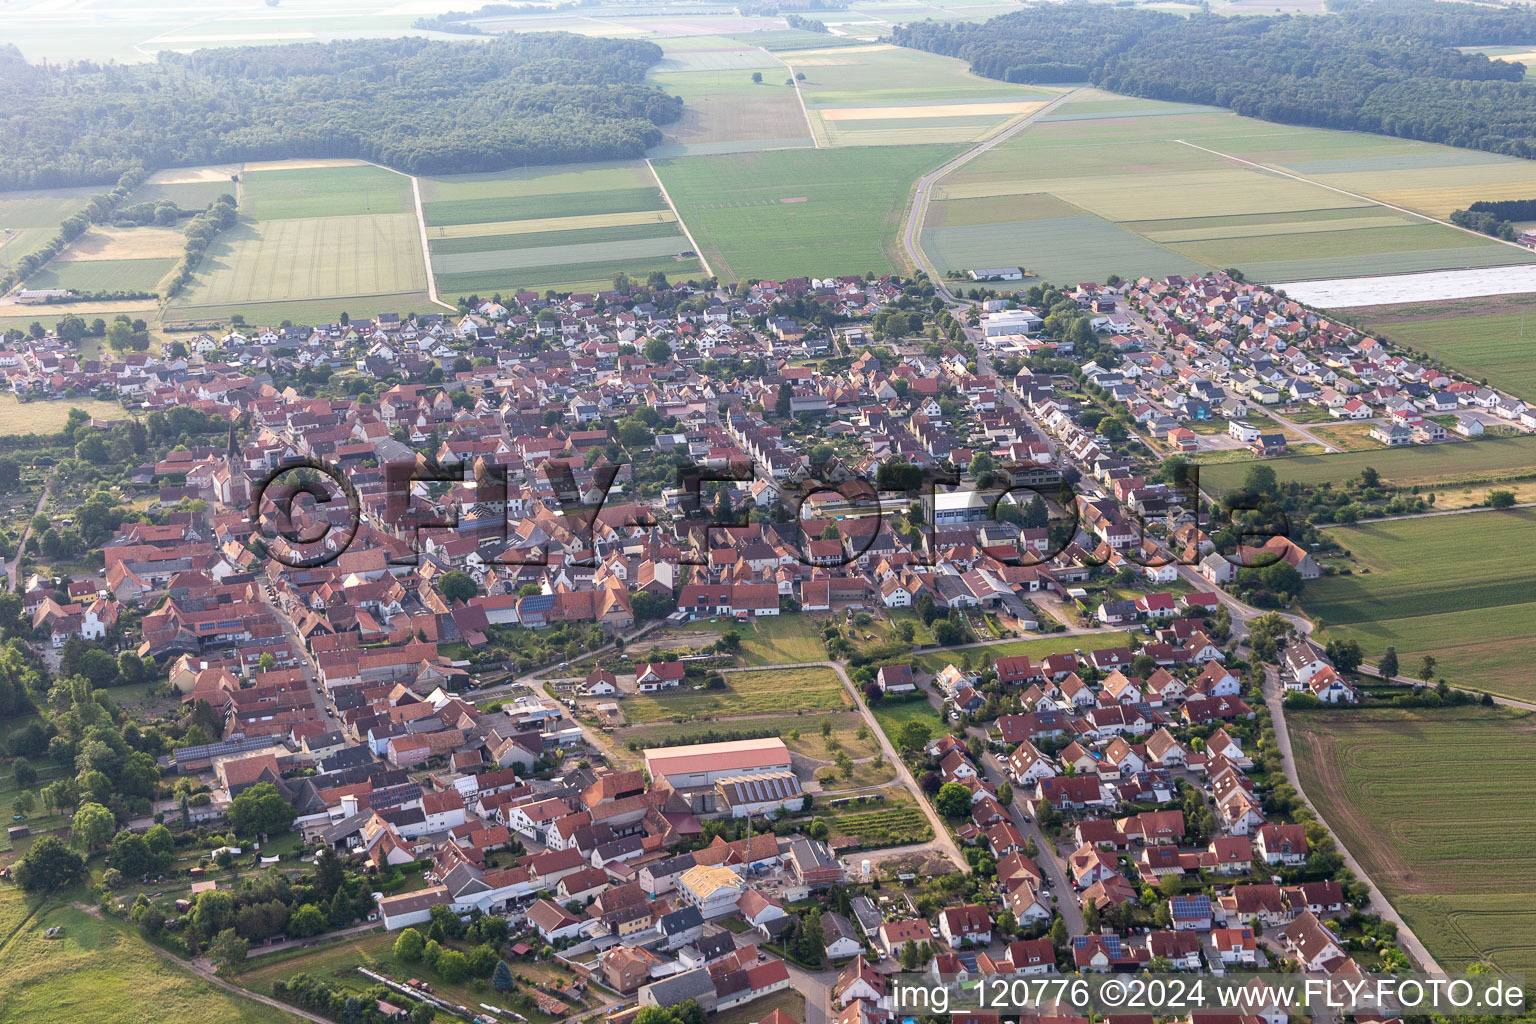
{"x": 1003, "y": 109}
{"x": 794, "y": 56}
{"x": 797, "y": 61}
{"x": 1528, "y": 57}
{"x": 1441, "y": 201}
{"x": 296, "y": 165}
{"x": 191, "y": 175}
{"x": 51, "y": 311}
{"x": 518, "y": 227}
{"x": 145, "y": 243}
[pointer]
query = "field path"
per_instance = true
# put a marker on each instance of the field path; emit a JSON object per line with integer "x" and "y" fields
{"x": 917, "y": 210}
{"x": 14, "y": 564}
{"x": 1352, "y": 195}
{"x": 426, "y": 253}
{"x": 795, "y": 81}
{"x": 676, "y": 213}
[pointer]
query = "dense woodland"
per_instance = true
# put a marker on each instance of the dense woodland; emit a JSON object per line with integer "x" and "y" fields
{"x": 417, "y": 105}
{"x": 1386, "y": 67}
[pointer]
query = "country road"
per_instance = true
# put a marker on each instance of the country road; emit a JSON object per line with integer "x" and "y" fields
{"x": 917, "y": 210}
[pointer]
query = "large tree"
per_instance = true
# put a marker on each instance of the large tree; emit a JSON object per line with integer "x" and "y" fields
{"x": 261, "y": 808}
{"x": 48, "y": 865}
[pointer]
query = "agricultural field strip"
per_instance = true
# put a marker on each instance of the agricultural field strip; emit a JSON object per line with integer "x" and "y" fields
{"x": 1433, "y": 803}
{"x": 541, "y": 225}
{"x": 537, "y": 256}
{"x": 1354, "y": 195}
{"x": 531, "y": 207}
{"x": 1438, "y": 465}
{"x": 551, "y": 239}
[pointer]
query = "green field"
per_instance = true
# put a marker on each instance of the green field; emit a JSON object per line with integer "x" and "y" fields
{"x": 1499, "y": 347}
{"x": 306, "y": 258}
{"x": 724, "y": 111}
{"x": 793, "y": 213}
{"x": 29, "y": 219}
{"x": 1443, "y": 585}
{"x": 1038, "y": 649}
{"x": 311, "y": 311}
{"x": 564, "y": 204}
{"x": 893, "y": 715}
{"x": 1488, "y": 459}
{"x": 98, "y": 971}
{"x": 746, "y": 693}
{"x": 572, "y": 227}
{"x": 103, "y": 275}
{"x": 1173, "y": 175}
{"x": 1440, "y": 807}
{"x": 546, "y": 239}
{"x": 305, "y": 192}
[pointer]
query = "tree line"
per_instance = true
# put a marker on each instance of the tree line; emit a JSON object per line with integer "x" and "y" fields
{"x": 1496, "y": 217}
{"x": 219, "y": 215}
{"x": 418, "y": 105}
{"x": 98, "y": 209}
{"x": 1387, "y": 68}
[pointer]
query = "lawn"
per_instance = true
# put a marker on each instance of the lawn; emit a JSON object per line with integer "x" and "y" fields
{"x": 1443, "y": 585}
{"x": 36, "y": 417}
{"x": 892, "y": 715}
{"x": 747, "y": 693}
{"x": 1462, "y": 462}
{"x": 789, "y": 213}
{"x": 789, "y": 1000}
{"x": 1440, "y": 808}
{"x": 933, "y": 661}
{"x": 782, "y": 640}
{"x": 99, "y": 971}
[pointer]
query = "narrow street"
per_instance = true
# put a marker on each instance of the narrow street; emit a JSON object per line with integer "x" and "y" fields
{"x": 1050, "y": 861}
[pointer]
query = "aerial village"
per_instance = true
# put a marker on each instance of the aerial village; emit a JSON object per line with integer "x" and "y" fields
{"x": 615, "y": 506}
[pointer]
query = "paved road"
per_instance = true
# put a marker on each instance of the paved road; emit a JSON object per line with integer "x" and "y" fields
{"x": 317, "y": 694}
{"x": 817, "y": 989}
{"x": 911, "y": 234}
{"x": 1274, "y": 697}
{"x": 1301, "y": 429}
{"x": 1050, "y": 861}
